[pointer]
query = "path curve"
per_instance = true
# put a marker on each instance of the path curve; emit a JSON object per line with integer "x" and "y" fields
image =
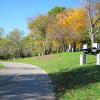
{"x": 24, "y": 82}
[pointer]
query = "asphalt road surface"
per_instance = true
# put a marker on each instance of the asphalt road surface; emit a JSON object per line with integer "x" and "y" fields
{"x": 24, "y": 82}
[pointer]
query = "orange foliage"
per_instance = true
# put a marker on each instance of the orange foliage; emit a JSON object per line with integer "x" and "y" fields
{"x": 73, "y": 20}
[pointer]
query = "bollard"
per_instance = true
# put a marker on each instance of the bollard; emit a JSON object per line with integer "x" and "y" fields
{"x": 14, "y": 59}
{"x": 72, "y": 49}
{"x": 82, "y": 59}
{"x": 69, "y": 48}
{"x": 98, "y": 59}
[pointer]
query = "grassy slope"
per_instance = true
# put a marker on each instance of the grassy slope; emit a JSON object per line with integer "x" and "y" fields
{"x": 71, "y": 81}
{"x": 1, "y": 66}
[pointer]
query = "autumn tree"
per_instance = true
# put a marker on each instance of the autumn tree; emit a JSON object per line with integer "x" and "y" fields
{"x": 37, "y": 29}
{"x": 93, "y": 9}
{"x": 28, "y": 46}
{"x": 74, "y": 22}
{"x": 57, "y": 34}
{"x": 57, "y": 31}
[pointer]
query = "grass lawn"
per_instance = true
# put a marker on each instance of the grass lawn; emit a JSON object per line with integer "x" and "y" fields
{"x": 1, "y": 66}
{"x": 71, "y": 81}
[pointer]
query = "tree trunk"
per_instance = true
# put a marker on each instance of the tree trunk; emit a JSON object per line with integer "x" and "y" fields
{"x": 92, "y": 25}
{"x": 92, "y": 39}
{"x": 63, "y": 45}
{"x": 74, "y": 46}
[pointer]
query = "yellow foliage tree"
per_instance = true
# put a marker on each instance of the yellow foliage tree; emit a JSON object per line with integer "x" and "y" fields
{"x": 74, "y": 21}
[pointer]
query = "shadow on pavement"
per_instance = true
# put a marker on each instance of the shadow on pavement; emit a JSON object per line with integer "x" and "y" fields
{"x": 26, "y": 87}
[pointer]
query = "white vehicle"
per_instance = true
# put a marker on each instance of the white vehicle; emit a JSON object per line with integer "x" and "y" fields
{"x": 85, "y": 48}
{"x": 95, "y": 48}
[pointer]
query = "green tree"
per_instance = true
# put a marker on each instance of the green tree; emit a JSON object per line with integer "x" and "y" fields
{"x": 13, "y": 39}
{"x": 1, "y": 32}
{"x": 56, "y": 10}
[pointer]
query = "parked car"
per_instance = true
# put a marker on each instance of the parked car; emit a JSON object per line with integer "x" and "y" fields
{"x": 94, "y": 49}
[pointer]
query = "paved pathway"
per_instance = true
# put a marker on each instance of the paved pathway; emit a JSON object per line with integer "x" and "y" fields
{"x": 24, "y": 82}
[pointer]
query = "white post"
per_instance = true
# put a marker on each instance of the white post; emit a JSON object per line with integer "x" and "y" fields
{"x": 14, "y": 59}
{"x": 98, "y": 59}
{"x": 69, "y": 48}
{"x": 82, "y": 59}
{"x": 72, "y": 49}
{"x": 42, "y": 54}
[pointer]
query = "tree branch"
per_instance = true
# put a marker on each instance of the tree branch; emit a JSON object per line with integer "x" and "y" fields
{"x": 96, "y": 21}
{"x": 90, "y": 15}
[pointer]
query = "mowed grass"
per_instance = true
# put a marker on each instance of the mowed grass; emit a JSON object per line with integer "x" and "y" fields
{"x": 71, "y": 81}
{"x": 1, "y": 66}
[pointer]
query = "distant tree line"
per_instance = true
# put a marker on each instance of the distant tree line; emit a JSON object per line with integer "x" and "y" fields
{"x": 55, "y": 32}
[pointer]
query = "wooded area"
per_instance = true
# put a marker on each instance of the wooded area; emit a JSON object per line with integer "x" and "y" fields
{"x": 54, "y": 32}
